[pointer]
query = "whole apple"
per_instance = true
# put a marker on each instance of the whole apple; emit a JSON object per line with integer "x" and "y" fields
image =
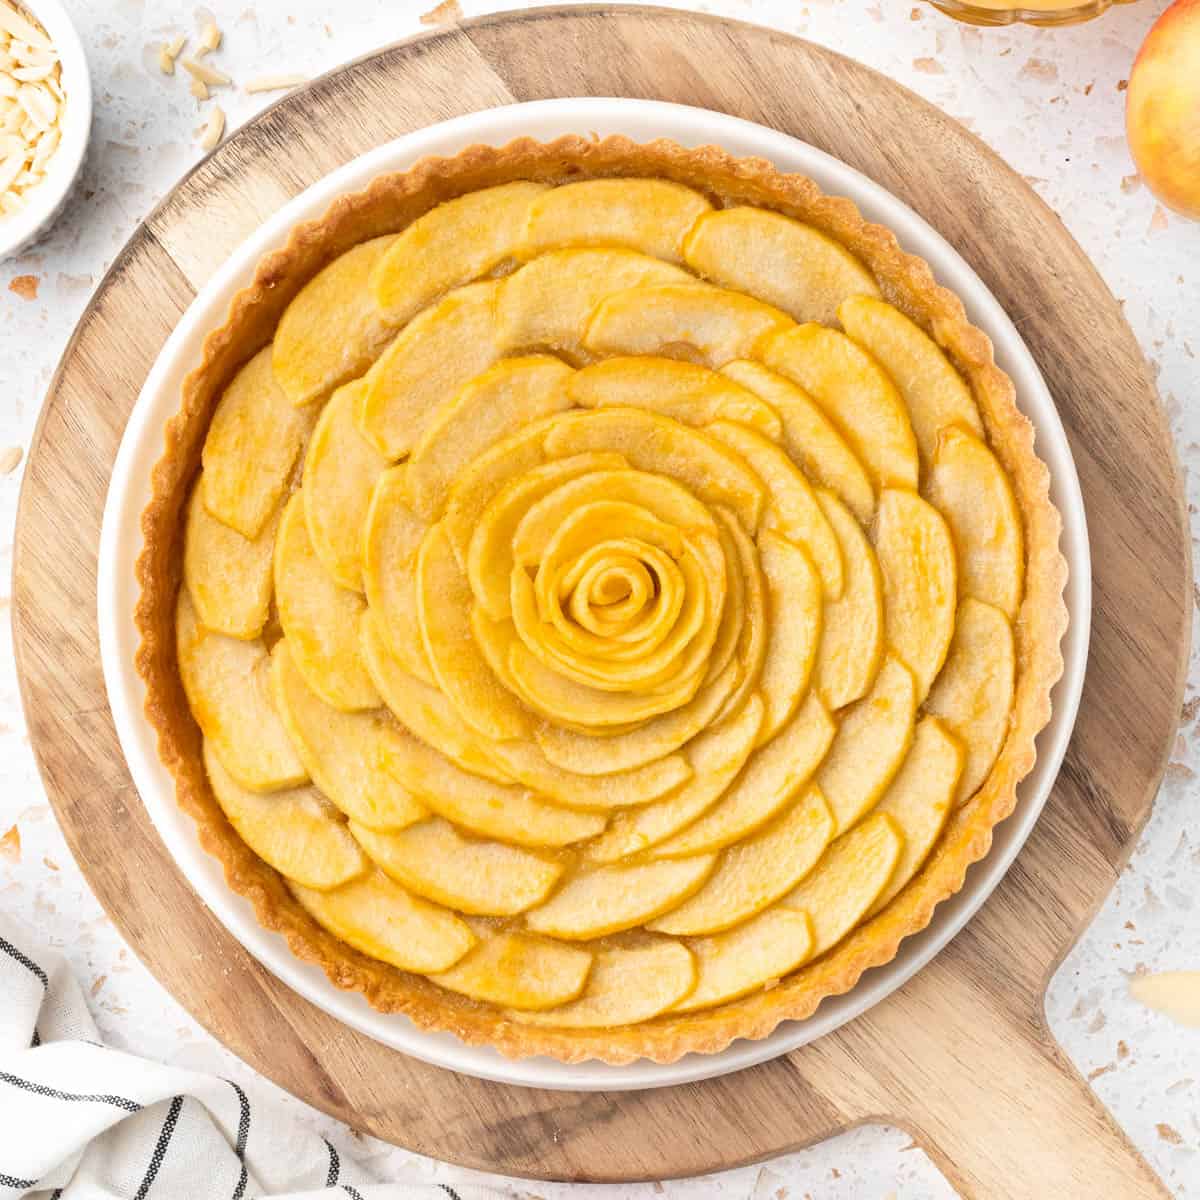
{"x": 1162, "y": 111}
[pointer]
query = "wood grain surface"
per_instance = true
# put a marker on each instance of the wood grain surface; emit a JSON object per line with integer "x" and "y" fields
{"x": 961, "y": 1056}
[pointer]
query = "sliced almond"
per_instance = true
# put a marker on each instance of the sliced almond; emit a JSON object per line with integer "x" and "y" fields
{"x": 214, "y": 128}
{"x": 209, "y": 76}
{"x": 274, "y": 83}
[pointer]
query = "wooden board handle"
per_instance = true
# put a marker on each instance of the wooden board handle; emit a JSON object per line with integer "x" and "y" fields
{"x": 983, "y": 1088}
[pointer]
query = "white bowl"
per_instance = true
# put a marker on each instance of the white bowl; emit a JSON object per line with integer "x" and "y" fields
{"x": 120, "y": 544}
{"x": 47, "y": 200}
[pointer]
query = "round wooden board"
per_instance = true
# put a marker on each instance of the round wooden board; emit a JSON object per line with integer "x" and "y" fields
{"x": 960, "y": 1056}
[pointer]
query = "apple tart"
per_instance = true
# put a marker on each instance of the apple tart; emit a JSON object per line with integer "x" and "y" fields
{"x": 598, "y": 598}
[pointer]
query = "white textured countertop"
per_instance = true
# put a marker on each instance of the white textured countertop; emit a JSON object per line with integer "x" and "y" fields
{"x": 1050, "y": 102}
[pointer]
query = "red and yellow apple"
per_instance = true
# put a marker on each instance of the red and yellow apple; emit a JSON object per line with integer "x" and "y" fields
{"x": 1162, "y": 114}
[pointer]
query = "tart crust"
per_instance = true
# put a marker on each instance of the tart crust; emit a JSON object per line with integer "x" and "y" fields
{"x": 389, "y": 204}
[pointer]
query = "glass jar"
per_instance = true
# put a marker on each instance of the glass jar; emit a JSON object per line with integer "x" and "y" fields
{"x": 1033, "y": 12}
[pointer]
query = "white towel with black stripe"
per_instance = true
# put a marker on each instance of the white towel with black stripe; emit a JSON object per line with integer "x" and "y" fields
{"x": 82, "y": 1121}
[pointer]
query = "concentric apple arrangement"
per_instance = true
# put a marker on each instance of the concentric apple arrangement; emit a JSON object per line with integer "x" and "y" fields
{"x": 596, "y": 601}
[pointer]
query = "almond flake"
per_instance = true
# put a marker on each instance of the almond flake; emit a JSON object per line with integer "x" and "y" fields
{"x": 210, "y": 37}
{"x": 15, "y": 25}
{"x": 207, "y": 75}
{"x": 33, "y": 74}
{"x": 199, "y": 89}
{"x": 274, "y": 83}
{"x": 214, "y": 128}
{"x": 166, "y": 64}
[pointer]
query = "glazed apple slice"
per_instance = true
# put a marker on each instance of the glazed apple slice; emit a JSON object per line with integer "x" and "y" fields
{"x": 421, "y": 708}
{"x": 340, "y": 472}
{"x": 225, "y": 680}
{"x": 710, "y": 323}
{"x": 935, "y": 394}
{"x": 872, "y": 741}
{"x": 650, "y": 216}
{"x": 716, "y": 757}
{"x": 227, "y": 575}
{"x": 683, "y": 391}
{"x": 494, "y": 405}
{"x": 345, "y": 753}
{"x": 444, "y": 603}
{"x": 514, "y": 970}
{"x": 386, "y": 922}
{"x": 252, "y": 445}
{"x": 810, "y": 437}
{"x": 757, "y": 953}
{"x": 601, "y": 900}
{"x": 794, "y": 630}
{"x": 851, "y": 644}
{"x": 855, "y": 393}
{"x": 392, "y": 537}
{"x": 660, "y": 446}
{"x": 319, "y": 618}
{"x": 772, "y": 777}
{"x": 296, "y": 830}
{"x": 452, "y": 244}
{"x": 546, "y": 303}
{"x": 973, "y": 492}
{"x": 916, "y": 562}
{"x": 432, "y": 859}
{"x": 333, "y": 328}
{"x": 754, "y": 873}
{"x": 792, "y": 509}
{"x": 428, "y": 361}
{"x": 789, "y": 264}
{"x": 974, "y": 693}
{"x": 628, "y": 984}
{"x": 919, "y": 800}
{"x": 845, "y": 884}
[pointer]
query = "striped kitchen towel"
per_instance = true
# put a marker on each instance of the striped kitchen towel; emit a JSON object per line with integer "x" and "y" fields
{"x": 82, "y": 1121}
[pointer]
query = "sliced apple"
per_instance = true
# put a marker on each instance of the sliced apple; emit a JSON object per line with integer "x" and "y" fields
{"x": 384, "y": 921}
{"x": 513, "y": 970}
{"x": 920, "y": 800}
{"x": 789, "y": 264}
{"x": 583, "y": 754}
{"x": 427, "y": 362}
{"x": 345, "y": 753}
{"x": 716, "y": 757}
{"x": 810, "y": 437}
{"x": 916, "y": 562}
{"x": 848, "y": 880}
{"x": 546, "y": 303}
{"x": 296, "y": 831}
{"x": 650, "y": 216}
{"x": 392, "y": 537}
{"x": 682, "y": 391}
{"x": 792, "y": 509}
{"x": 745, "y": 565}
{"x": 432, "y": 859}
{"x": 452, "y": 244}
{"x": 870, "y": 746}
{"x": 225, "y": 680}
{"x": 319, "y": 619}
{"x": 592, "y": 793}
{"x": 973, "y": 492}
{"x": 227, "y": 575}
{"x": 252, "y": 445}
{"x": 340, "y": 471}
{"x": 754, "y": 955}
{"x": 855, "y": 393}
{"x": 444, "y": 605}
{"x": 974, "y": 693}
{"x": 489, "y": 551}
{"x": 682, "y": 319}
{"x": 851, "y": 645}
{"x": 794, "y": 630}
{"x": 601, "y": 900}
{"x": 935, "y": 394}
{"x": 422, "y": 709}
{"x": 771, "y": 778}
{"x": 756, "y": 872}
{"x": 494, "y": 405}
{"x": 627, "y": 985}
{"x": 333, "y": 328}
{"x": 658, "y": 445}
